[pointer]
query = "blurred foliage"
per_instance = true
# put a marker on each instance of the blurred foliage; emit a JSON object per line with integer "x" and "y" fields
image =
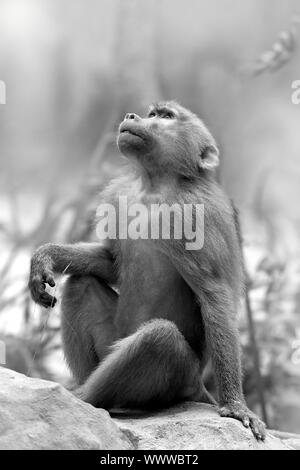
{"x": 277, "y": 329}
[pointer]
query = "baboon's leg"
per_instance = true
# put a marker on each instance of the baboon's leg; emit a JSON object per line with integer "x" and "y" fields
{"x": 151, "y": 368}
{"x": 88, "y": 308}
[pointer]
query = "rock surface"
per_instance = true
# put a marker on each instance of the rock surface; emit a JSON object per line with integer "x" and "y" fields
{"x": 35, "y": 414}
{"x": 194, "y": 426}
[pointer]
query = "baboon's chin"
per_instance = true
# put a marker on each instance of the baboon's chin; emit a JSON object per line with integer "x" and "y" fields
{"x": 132, "y": 147}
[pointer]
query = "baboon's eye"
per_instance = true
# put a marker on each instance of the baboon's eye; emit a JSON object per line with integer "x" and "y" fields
{"x": 169, "y": 115}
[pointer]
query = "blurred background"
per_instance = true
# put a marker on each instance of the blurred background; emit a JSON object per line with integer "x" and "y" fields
{"x": 72, "y": 68}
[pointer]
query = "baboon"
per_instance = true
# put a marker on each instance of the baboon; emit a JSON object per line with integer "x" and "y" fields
{"x": 141, "y": 317}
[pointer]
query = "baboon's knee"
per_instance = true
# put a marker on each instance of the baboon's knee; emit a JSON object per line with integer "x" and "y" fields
{"x": 89, "y": 294}
{"x": 76, "y": 287}
{"x": 161, "y": 330}
{"x": 162, "y": 334}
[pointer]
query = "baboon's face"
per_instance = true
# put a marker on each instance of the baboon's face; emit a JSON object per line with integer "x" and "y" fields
{"x": 169, "y": 139}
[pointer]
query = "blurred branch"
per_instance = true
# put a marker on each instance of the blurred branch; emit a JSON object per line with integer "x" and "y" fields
{"x": 279, "y": 55}
{"x": 251, "y": 324}
{"x": 12, "y": 193}
{"x": 256, "y": 356}
{"x": 11, "y": 300}
{"x": 5, "y": 269}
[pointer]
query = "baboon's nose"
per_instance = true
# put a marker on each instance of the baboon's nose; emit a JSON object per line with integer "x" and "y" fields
{"x": 131, "y": 116}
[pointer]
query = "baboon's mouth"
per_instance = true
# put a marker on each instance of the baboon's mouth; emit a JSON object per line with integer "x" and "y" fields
{"x": 130, "y": 132}
{"x": 129, "y": 128}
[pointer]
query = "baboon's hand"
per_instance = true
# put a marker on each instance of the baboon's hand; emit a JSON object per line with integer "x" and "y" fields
{"x": 41, "y": 274}
{"x": 240, "y": 412}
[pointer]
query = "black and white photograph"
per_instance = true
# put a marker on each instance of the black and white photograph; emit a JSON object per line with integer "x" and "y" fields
{"x": 149, "y": 228}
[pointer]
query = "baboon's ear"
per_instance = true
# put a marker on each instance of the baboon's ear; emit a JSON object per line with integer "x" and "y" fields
{"x": 209, "y": 159}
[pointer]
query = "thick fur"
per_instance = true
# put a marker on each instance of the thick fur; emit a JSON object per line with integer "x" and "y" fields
{"x": 122, "y": 380}
{"x": 147, "y": 345}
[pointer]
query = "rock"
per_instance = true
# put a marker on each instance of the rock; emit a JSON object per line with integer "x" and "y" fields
{"x": 35, "y": 414}
{"x": 193, "y": 426}
{"x": 291, "y": 440}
